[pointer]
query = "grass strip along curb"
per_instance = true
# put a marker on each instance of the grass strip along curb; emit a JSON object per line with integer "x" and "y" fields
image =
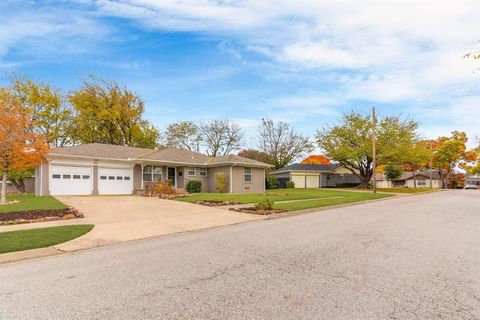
{"x": 12, "y": 241}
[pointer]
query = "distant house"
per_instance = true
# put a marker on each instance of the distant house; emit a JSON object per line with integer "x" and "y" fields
{"x": 473, "y": 180}
{"x": 315, "y": 176}
{"x": 406, "y": 180}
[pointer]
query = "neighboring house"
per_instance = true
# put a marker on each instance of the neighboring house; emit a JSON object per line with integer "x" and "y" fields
{"x": 109, "y": 169}
{"x": 473, "y": 180}
{"x": 315, "y": 175}
{"x": 406, "y": 180}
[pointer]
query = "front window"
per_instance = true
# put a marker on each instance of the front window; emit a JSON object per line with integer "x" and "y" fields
{"x": 248, "y": 174}
{"x": 152, "y": 173}
{"x": 191, "y": 171}
{"x": 203, "y": 172}
{"x": 422, "y": 183}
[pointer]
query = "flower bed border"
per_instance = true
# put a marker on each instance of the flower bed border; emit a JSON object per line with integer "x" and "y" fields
{"x": 216, "y": 203}
{"x": 31, "y": 216}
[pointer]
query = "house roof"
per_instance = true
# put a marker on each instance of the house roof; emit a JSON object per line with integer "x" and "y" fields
{"x": 409, "y": 175}
{"x": 308, "y": 167}
{"x": 173, "y": 155}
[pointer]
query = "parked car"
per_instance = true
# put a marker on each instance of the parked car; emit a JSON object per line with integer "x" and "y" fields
{"x": 471, "y": 186}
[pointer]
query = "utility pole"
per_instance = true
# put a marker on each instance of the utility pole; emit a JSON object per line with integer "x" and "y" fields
{"x": 431, "y": 164}
{"x": 374, "y": 149}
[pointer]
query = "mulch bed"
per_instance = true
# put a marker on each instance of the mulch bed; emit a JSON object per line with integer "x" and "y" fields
{"x": 252, "y": 210}
{"x": 216, "y": 203}
{"x": 39, "y": 216}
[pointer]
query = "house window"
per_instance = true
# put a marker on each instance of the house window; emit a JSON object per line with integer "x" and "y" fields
{"x": 203, "y": 172}
{"x": 152, "y": 173}
{"x": 56, "y": 176}
{"x": 248, "y": 174}
{"x": 422, "y": 183}
{"x": 191, "y": 171}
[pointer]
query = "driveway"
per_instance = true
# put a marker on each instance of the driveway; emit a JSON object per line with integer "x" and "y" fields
{"x": 123, "y": 218}
{"x": 406, "y": 258}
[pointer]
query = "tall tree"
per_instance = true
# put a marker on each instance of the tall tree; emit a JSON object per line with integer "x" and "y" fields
{"x": 282, "y": 143}
{"x": 449, "y": 153}
{"x": 417, "y": 157}
{"x": 256, "y": 155}
{"x": 316, "y": 159}
{"x": 20, "y": 148}
{"x": 183, "y": 135}
{"x": 51, "y": 116}
{"x": 221, "y": 137}
{"x": 107, "y": 112}
{"x": 350, "y": 142}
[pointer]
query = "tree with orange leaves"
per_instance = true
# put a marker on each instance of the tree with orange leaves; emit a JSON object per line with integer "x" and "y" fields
{"x": 19, "y": 147}
{"x": 316, "y": 159}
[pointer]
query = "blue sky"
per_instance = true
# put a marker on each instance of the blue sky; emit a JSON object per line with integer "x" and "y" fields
{"x": 305, "y": 62}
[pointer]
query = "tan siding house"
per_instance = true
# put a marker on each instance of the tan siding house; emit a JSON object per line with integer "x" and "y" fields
{"x": 109, "y": 169}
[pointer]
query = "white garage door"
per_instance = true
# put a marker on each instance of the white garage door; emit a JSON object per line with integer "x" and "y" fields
{"x": 299, "y": 181}
{"x": 115, "y": 181}
{"x": 69, "y": 180}
{"x": 312, "y": 182}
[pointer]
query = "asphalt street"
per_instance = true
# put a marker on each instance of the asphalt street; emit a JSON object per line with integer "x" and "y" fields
{"x": 406, "y": 258}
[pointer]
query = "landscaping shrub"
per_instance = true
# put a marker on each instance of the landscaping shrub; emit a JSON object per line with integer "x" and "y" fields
{"x": 289, "y": 184}
{"x": 194, "y": 186}
{"x": 164, "y": 187}
{"x": 271, "y": 182}
{"x": 221, "y": 182}
{"x": 265, "y": 204}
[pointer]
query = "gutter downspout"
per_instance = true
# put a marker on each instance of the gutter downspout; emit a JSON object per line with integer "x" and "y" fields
{"x": 41, "y": 178}
{"x": 231, "y": 179}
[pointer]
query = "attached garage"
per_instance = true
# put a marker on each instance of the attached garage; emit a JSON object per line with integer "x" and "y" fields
{"x": 115, "y": 180}
{"x": 306, "y": 181}
{"x": 299, "y": 181}
{"x": 70, "y": 180}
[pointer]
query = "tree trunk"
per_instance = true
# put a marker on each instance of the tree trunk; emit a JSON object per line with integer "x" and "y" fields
{"x": 3, "y": 197}
{"x": 19, "y": 184}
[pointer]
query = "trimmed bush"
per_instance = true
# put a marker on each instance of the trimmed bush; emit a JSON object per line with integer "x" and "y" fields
{"x": 164, "y": 188}
{"x": 289, "y": 184}
{"x": 194, "y": 186}
{"x": 271, "y": 182}
{"x": 221, "y": 182}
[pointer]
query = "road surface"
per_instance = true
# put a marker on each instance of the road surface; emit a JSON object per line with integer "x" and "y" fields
{"x": 406, "y": 258}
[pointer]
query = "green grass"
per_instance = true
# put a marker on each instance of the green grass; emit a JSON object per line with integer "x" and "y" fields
{"x": 30, "y": 202}
{"x": 330, "y": 197}
{"x": 40, "y": 238}
{"x": 346, "y": 198}
{"x": 406, "y": 190}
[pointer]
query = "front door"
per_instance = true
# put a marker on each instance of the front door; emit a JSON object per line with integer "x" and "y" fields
{"x": 172, "y": 176}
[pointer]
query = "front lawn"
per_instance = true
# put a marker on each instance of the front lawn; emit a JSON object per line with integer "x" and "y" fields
{"x": 319, "y": 197}
{"x": 406, "y": 190}
{"x": 29, "y": 202}
{"x": 40, "y": 238}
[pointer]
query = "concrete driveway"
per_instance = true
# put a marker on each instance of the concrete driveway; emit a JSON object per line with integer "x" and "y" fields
{"x": 123, "y": 218}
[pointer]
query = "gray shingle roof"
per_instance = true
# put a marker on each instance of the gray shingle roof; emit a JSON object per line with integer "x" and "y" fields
{"x": 108, "y": 151}
{"x": 309, "y": 167}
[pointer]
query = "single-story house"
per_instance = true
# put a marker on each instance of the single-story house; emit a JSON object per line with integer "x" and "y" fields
{"x": 473, "y": 180}
{"x": 406, "y": 180}
{"x": 94, "y": 168}
{"x": 315, "y": 175}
